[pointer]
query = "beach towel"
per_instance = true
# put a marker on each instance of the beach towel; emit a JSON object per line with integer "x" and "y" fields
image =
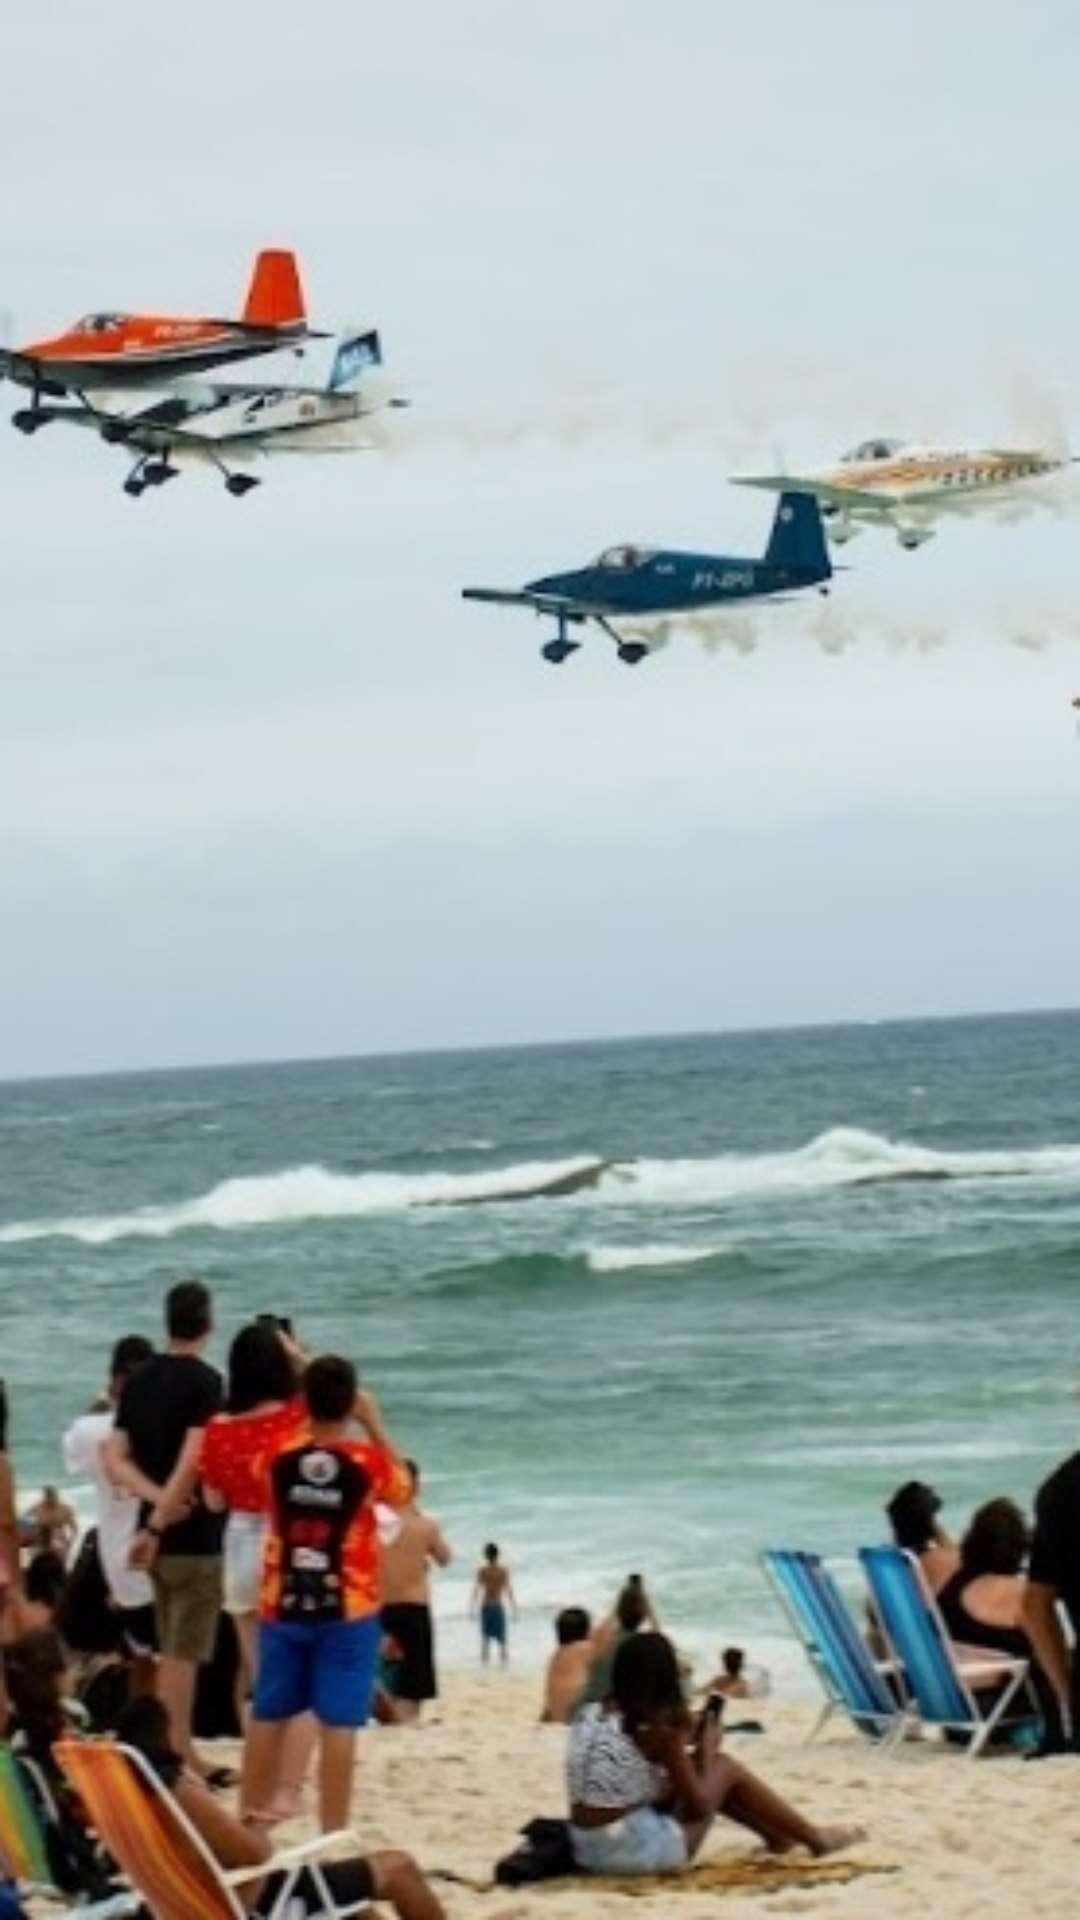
{"x": 747, "y": 1873}
{"x": 742, "y": 1873}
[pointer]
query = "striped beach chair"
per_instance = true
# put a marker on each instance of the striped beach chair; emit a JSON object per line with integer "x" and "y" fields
{"x": 23, "y": 1854}
{"x": 941, "y": 1677}
{"x": 853, "y": 1682}
{"x": 26, "y": 1808}
{"x": 155, "y": 1844}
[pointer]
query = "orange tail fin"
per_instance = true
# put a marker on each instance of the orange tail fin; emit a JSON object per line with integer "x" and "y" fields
{"x": 275, "y": 296}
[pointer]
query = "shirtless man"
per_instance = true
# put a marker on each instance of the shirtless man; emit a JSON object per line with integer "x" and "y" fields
{"x": 568, "y": 1668}
{"x": 492, "y": 1592}
{"x": 51, "y": 1525}
{"x": 417, "y": 1546}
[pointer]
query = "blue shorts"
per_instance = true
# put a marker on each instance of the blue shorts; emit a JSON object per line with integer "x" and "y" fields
{"x": 644, "y": 1841}
{"x": 327, "y": 1667}
{"x": 493, "y": 1621}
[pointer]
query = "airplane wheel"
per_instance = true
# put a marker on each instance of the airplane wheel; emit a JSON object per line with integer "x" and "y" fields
{"x": 134, "y": 487}
{"x": 240, "y": 483}
{"x": 557, "y": 651}
{"x": 632, "y": 653}
{"x": 156, "y": 472}
{"x": 26, "y": 420}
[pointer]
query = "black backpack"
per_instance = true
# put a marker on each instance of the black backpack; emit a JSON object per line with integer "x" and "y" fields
{"x": 545, "y": 1853}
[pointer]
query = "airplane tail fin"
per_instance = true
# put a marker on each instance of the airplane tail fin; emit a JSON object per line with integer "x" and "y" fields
{"x": 356, "y": 354}
{"x": 275, "y": 297}
{"x": 798, "y": 537}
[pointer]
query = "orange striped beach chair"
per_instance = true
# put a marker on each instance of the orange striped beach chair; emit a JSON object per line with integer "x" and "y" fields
{"x": 26, "y": 1807}
{"x": 154, "y": 1843}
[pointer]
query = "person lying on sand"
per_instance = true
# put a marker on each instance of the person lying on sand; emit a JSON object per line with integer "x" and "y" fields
{"x": 645, "y": 1782}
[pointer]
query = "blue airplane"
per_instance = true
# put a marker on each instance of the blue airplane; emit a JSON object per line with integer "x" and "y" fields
{"x": 640, "y": 584}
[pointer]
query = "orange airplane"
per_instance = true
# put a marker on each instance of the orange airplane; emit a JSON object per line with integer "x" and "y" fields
{"x": 140, "y": 349}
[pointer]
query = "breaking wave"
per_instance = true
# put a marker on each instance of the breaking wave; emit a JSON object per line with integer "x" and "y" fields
{"x": 841, "y": 1157}
{"x": 665, "y": 1254}
{"x": 315, "y": 1193}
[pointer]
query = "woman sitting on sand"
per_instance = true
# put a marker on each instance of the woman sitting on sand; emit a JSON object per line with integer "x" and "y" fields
{"x": 645, "y": 1784}
{"x": 913, "y": 1512}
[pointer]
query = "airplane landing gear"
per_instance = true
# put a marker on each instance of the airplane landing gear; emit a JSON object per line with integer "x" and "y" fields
{"x": 148, "y": 473}
{"x": 29, "y": 419}
{"x": 560, "y": 646}
{"x": 240, "y": 483}
{"x": 632, "y": 653}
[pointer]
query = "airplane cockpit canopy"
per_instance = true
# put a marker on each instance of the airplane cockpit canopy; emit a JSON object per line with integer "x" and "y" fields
{"x": 623, "y": 559}
{"x": 872, "y": 450}
{"x": 100, "y": 322}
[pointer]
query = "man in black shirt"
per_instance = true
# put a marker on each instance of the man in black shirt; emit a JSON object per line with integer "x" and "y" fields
{"x": 1053, "y": 1576}
{"x": 159, "y": 1423}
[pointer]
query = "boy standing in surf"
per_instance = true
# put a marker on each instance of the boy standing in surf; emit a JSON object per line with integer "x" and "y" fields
{"x": 493, "y": 1592}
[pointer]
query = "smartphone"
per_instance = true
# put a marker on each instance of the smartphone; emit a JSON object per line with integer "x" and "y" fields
{"x": 279, "y": 1321}
{"x": 714, "y": 1706}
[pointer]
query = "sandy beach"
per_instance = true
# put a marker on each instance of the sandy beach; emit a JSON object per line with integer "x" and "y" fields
{"x": 990, "y": 1837}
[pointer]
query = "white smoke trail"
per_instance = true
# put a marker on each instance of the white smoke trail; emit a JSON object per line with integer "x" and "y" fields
{"x": 748, "y": 405}
{"x": 835, "y": 628}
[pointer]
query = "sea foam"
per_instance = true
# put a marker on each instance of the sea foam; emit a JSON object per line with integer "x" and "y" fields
{"x": 840, "y": 1157}
{"x": 664, "y": 1254}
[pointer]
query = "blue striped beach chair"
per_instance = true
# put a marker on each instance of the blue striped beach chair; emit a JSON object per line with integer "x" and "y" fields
{"x": 940, "y": 1676}
{"x": 852, "y": 1680}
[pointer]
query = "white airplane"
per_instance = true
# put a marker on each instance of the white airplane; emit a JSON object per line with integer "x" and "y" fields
{"x": 905, "y": 486}
{"x": 219, "y": 423}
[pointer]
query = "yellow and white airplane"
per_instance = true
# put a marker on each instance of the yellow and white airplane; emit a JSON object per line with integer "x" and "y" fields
{"x": 907, "y": 486}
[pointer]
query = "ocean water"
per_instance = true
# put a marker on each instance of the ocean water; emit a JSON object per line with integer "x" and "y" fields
{"x": 649, "y": 1305}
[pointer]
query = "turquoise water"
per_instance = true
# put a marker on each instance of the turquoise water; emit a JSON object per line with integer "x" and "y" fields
{"x": 803, "y": 1267}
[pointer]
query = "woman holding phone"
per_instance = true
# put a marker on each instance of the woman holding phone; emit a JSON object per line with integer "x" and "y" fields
{"x": 646, "y": 1782}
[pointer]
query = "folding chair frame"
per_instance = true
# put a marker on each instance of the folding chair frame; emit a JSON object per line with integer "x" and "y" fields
{"x": 962, "y": 1671}
{"x": 890, "y": 1725}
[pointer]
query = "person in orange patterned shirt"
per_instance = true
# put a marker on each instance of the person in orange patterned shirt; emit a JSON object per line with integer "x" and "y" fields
{"x": 319, "y": 1608}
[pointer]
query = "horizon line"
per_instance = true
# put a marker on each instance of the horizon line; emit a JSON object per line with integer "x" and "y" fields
{"x": 749, "y": 1029}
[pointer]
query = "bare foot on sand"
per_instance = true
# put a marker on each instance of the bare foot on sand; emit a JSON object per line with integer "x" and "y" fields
{"x": 835, "y": 1839}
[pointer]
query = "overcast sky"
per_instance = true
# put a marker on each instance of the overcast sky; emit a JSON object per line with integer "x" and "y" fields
{"x": 268, "y": 788}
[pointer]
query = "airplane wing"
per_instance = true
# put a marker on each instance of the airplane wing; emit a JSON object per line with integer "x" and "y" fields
{"x": 126, "y": 417}
{"x": 539, "y": 602}
{"x": 861, "y": 499}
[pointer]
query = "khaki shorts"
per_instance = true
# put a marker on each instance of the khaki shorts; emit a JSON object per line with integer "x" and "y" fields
{"x": 187, "y": 1601}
